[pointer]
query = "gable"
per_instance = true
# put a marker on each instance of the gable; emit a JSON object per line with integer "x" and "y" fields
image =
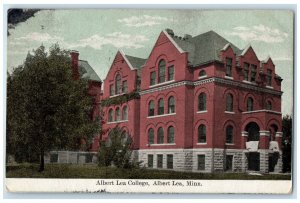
{"x": 118, "y": 62}
{"x": 268, "y": 61}
{"x": 249, "y": 53}
{"x": 163, "y": 38}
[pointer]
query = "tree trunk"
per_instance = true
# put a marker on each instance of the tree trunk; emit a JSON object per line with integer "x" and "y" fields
{"x": 42, "y": 163}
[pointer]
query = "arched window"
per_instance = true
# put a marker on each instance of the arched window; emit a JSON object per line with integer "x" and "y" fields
{"x": 171, "y": 105}
{"x": 160, "y": 136}
{"x": 118, "y": 84}
{"x": 170, "y": 134}
{"x": 150, "y": 136}
{"x": 151, "y": 108}
{"x": 202, "y": 134}
{"x": 229, "y": 134}
{"x": 229, "y": 102}
{"x": 110, "y": 115}
{"x": 162, "y": 71}
{"x": 249, "y": 104}
{"x": 202, "y": 102}
{"x": 118, "y": 117}
{"x": 125, "y": 115}
{"x": 268, "y": 105}
{"x": 160, "y": 107}
{"x": 202, "y": 73}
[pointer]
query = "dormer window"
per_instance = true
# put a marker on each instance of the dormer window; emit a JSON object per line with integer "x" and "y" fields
{"x": 124, "y": 86}
{"x": 162, "y": 71}
{"x": 118, "y": 84}
{"x": 229, "y": 67}
{"x": 253, "y": 73}
{"x": 171, "y": 73}
{"x": 111, "y": 90}
{"x": 246, "y": 71}
{"x": 269, "y": 77}
{"x": 152, "y": 78}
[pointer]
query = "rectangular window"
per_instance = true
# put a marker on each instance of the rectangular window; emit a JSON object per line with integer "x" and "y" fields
{"x": 269, "y": 77}
{"x": 171, "y": 73}
{"x": 246, "y": 71}
{"x": 159, "y": 161}
{"x": 170, "y": 161}
{"x": 229, "y": 67}
{"x": 152, "y": 78}
{"x": 201, "y": 162}
{"x": 162, "y": 74}
{"x": 229, "y": 162}
{"x": 111, "y": 90}
{"x": 150, "y": 160}
{"x": 53, "y": 158}
{"x": 253, "y": 73}
{"x": 124, "y": 86}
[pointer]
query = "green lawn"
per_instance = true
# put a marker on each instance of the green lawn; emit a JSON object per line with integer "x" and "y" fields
{"x": 93, "y": 171}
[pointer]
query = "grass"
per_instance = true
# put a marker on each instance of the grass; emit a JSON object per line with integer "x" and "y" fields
{"x": 93, "y": 171}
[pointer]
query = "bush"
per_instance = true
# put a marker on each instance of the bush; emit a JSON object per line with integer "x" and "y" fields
{"x": 116, "y": 150}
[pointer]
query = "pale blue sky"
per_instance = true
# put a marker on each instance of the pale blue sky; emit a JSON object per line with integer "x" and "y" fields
{"x": 98, "y": 34}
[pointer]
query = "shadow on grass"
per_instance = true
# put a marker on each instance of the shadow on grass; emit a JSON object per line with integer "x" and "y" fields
{"x": 94, "y": 172}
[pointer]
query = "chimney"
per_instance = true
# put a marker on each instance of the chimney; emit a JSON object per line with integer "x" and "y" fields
{"x": 170, "y": 32}
{"x": 187, "y": 36}
{"x": 75, "y": 67}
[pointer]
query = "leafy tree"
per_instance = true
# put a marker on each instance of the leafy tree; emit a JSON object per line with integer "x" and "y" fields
{"x": 287, "y": 142}
{"x": 116, "y": 150}
{"x": 46, "y": 108}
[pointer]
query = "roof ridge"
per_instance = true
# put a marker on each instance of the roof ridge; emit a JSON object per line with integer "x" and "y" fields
{"x": 135, "y": 57}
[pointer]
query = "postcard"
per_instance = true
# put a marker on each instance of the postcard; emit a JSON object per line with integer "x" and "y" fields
{"x": 149, "y": 101}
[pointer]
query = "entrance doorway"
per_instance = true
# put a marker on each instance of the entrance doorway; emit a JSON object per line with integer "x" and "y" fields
{"x": 253, "y": 161}
{"x": 273, "y": 159}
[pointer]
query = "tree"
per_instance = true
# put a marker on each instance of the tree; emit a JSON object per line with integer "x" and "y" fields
{"x": 116, "y": 149}
{"x": 46, "y": 108}
{"x": 287, "y": 142}
{"x": 16, "y": 16}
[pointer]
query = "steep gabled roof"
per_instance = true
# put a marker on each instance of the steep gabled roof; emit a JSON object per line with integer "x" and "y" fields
{"x": 204, "y": 48}
{"x": 136, "y": 62}
{"x": 87, "y": 72}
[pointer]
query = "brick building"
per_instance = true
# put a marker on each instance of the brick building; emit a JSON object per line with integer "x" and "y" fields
{"x": 203, "y": 105}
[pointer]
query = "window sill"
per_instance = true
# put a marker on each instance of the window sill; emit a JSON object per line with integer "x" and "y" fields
{"x": 116, "y": 95}
{"x": 201, "y": 77}
{"x": 228, "y": 77}
{"x": 202, "y": 143}
{"x": 229, "y": 112}
{"x": 163, "y": 83}
{"x": 248, "y": 82}
{"x": 117, "y": 122}
{"x": 164, "y": 144}
{"x": 229, "y": 144}
{"x": 270, "y": 87}
{"x": 157, "y": 116}
{"x": 202, "y": 111}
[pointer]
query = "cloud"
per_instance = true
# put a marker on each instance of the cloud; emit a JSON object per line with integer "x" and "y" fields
{"x": 144, "y": 20}
{"x": 116, "y": 39}
{"x": 260, "y": 33}
{"x": 282, "y": 59}
{"x": 39, "y": 37}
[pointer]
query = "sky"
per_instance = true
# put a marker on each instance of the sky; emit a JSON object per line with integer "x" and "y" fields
{"x": 99, "y": 33}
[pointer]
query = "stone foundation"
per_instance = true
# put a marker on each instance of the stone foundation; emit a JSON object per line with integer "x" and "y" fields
{"x": 184, "y": 159}
{"x": 71, "y": 157}
{"x": 215, "y": 160}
